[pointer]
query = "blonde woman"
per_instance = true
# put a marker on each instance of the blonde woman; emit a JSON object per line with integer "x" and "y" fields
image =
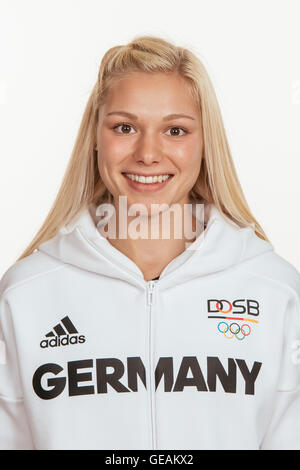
{"x": 112, "y": 340}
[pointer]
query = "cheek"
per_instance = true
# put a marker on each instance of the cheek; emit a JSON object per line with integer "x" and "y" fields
{"x": 188, "y": 157}
{"x": 107, "y": 168}
{"x": 112, "y": 144}
{"x": 110, "y": 152}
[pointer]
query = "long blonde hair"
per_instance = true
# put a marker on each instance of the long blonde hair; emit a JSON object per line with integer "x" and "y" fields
{"x": 217, "y": 182}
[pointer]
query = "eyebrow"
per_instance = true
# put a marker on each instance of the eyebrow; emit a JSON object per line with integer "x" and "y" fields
{"x": 166, "y": 118}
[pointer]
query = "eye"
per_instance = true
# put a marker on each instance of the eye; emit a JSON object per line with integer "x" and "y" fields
{"x": 123, "y": 125}
{"x": 180, "y": 128}
{"x": 126, "y": 127}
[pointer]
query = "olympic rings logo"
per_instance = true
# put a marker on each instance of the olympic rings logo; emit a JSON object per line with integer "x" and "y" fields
{"x": 234, "y": 329}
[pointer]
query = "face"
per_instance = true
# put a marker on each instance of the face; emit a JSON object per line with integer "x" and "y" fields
{"x": 137, "y": 135}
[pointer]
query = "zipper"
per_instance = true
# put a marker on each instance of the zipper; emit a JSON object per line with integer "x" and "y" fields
{"x": 151, "y": 287}
{"x": 150, "y": 302}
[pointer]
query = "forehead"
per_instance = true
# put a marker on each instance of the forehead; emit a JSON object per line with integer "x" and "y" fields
{"x": 159, "y": 91}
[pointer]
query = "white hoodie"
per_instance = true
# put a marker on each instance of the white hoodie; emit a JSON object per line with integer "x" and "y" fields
{"x": 207, "y": 357}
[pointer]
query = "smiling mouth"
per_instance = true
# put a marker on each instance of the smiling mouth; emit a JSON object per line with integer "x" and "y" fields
{"x": 148, "y": 180}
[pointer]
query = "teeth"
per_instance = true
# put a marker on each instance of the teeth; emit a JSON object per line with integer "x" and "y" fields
{"x": 147, "y": 179}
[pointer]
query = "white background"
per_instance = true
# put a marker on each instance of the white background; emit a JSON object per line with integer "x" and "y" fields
{"x": 50, "y": 55}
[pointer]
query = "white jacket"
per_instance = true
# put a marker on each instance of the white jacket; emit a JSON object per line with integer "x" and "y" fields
{"x": 92, "y": 356}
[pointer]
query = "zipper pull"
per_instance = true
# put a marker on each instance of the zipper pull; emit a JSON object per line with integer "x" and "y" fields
{"x": 151, "y": 286}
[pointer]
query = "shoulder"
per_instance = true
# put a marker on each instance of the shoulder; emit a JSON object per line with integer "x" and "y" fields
{"x": 27, "y": 269}
{"x": 273, "y": 268}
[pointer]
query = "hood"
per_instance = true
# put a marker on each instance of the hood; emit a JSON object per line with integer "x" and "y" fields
{"x": 220, "y": 246}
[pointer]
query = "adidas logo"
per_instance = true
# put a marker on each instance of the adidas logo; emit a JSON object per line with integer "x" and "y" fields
{"x": 63, "y": 334}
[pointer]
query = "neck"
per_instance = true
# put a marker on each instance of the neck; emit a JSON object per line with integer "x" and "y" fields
{"x": 152, "y": 242}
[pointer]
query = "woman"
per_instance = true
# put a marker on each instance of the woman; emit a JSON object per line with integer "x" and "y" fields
{"x": 160, "y": 342}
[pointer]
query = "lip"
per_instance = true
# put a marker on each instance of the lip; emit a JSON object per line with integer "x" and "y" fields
{"x": 147, "y": 187}
{"x": 145, "y": 174}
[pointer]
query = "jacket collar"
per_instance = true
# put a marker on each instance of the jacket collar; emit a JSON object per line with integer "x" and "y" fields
{"x": 222, "y": 245}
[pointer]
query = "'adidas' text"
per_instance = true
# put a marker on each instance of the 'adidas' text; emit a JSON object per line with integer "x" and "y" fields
{"x": 65, "y": 341}
{"x": 60, "y": 336}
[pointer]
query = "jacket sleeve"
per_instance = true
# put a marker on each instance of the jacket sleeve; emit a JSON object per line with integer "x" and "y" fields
{"x": 284, "y": 429}
{"x": 14, "y": 429}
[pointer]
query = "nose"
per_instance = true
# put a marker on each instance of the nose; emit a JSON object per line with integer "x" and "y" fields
{"x": 148, "y": 149}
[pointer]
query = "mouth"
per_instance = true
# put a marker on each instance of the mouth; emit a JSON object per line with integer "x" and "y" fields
{"x": 143, "y": 182}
